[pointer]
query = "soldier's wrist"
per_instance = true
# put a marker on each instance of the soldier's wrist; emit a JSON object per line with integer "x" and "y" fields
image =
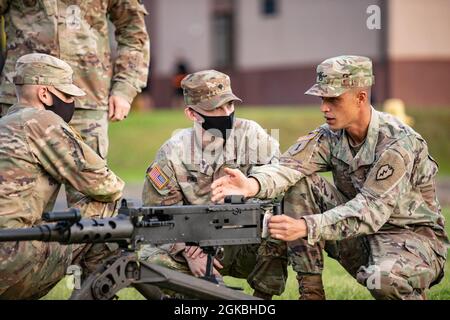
{"x": 123, "y": 90}
{"x": 253, "y": 187}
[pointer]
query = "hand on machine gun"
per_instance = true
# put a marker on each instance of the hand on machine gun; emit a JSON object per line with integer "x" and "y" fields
{"x": 197, "y": 261}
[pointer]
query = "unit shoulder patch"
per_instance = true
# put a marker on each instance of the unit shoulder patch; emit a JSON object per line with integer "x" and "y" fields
{"x": 384, "y": 172}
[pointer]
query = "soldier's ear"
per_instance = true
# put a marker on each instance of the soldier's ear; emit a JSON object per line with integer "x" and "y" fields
{"x": 190, "y": 114}
{"x": 42, "y": 93}
{"x": 44, "y": 96}
{"x": 362, "y": 96}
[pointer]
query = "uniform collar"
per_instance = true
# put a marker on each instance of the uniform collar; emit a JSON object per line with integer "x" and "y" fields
{"x": 18, "y": 106}
{"x": 366, "y": 154}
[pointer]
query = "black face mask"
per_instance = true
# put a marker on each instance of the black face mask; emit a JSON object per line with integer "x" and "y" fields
{"x": 220, "y": 123}
{"x": 63, "y": 109}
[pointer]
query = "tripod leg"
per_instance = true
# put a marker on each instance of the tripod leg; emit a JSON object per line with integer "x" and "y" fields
{"x": 149, "y": 292}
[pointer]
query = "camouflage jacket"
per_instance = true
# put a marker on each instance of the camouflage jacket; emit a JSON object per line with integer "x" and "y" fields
{"x": 390, "y": 181}
{"x": 38, "y": 153}
{"x": 186, "y": 165}
{"x": 76, "y": 31}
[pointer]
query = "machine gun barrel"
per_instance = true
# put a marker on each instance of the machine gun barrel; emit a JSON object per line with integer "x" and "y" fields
{"x": 89, "y": 230}
{"x": 40, "y": 233}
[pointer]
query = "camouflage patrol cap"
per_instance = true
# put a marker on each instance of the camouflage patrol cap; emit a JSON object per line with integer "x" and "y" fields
{"x": 207, "y": 90}
{"x": 339, "y": 74}
{"x": 43, "y": 69}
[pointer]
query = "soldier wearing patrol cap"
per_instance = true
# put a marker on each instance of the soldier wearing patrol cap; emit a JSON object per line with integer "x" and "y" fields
{"x": 187, "y": 164}
{"x": 381, "y": 219}
{"x": 39, "y": 151}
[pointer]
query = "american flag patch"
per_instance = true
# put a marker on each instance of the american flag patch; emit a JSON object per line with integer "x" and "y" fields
{"x": 158, "y": 177}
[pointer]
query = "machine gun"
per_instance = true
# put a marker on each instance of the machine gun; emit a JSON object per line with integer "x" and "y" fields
{"x": 235, "y": 222}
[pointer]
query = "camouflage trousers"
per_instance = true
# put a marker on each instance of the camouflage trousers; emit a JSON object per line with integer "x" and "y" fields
{"x": 392, "y": 264}
{"x": 30, "y": 269}
{"x": 263, "y": 265}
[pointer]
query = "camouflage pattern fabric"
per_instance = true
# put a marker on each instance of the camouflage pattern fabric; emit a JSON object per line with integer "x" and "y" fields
{"x": 77, "y": 32}
{"x": 394, "y": 263}
{"x": 388, "y": 185}
{"x": 207, "y": 90}
{"x": 92, "y": 125}
{"x": 4, "y": 109}
{"x": 182, "y": 173}
{"x": 339, "y": 74}
{"x": 38, "y": 153}
{"x": 44, "y": 69}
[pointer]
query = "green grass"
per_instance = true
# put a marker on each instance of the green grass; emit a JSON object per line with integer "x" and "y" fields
{"x": 339, "y": 285}
{"x": 134, "y": 142}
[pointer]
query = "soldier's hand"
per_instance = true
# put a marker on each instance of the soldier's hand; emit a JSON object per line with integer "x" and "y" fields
{"x": 198, "y": 265}
{"x": 194, "y": 252}
{"x": 118, "y": 108}
{"x": 234, "y": 183}
{"x": 285, "y": 228}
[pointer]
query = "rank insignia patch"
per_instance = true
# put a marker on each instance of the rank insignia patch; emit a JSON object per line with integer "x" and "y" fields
{"x": 384, "y": 172}
{"x": 157, "y": 176}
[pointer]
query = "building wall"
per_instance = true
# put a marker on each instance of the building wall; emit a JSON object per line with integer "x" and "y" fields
{"x": 183, "y": 31}
{"x": 419, "y": 50}
{"x": 275, "y": 57}
{"x": 419, "y": 30}
{"x": 303, "y": 33}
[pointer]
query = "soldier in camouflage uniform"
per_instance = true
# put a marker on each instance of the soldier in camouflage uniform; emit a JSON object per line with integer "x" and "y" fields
{"x": 381, "y": 219}
{"x": 77, "y": 32}
{"x": 39, "y": 151}
{"x": 187, "y": 164}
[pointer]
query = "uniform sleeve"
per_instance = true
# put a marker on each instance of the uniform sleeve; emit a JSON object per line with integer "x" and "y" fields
{"x": 162, "y": 189}
{"x": 133, "y": 48}
{"x": 386, "y": 182}
{"x": 62, "y": 154}
{"x": 310, "y": 154}
{"x": 160, "y": 185}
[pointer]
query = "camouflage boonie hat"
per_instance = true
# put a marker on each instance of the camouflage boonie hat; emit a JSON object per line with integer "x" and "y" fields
{"x": 43, "y": 69}
{"x": 339, "y": 74}
{"x": 207, "y": 90}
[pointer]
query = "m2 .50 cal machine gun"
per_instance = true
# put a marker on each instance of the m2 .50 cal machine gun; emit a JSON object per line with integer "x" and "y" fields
{"x": 235, "y": 222}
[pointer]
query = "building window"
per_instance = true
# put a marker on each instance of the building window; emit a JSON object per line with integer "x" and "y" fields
{"x": 269, "y": 7}
{"x": 223, "y": 40}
